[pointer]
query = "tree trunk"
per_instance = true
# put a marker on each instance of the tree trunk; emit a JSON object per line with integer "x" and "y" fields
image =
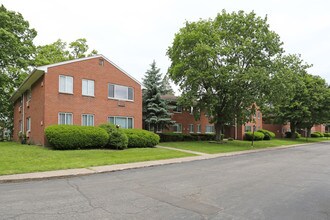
{"x": 309, "y": 131}
{"x": 293, "y": 131}
{"x": 218, "y": 131}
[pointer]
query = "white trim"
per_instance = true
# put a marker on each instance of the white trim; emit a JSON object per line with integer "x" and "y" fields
{"x": 114, "y": 92}
{"x": 176, "y": 125}
{"x": 82, "y": 87}
{"x": 192, "y": 128}
{"x": 59, "y": 84}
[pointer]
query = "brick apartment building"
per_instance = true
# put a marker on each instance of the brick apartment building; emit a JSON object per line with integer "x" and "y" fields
{"x": 185, "y": 122}
{"x": 87, "y": 91}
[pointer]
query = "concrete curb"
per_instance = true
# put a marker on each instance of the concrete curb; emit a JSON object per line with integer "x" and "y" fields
{"x": 119, "y": 167}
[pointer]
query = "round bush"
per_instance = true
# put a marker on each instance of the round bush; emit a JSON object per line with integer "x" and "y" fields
{"x": 317, "y": 134}
{"x": 258, "y": 136}
{"x": 117, "y": 139}
{"x": 141, "y": 138}
{"x": 268, "y": 134}
{"x": 72, "y": 137}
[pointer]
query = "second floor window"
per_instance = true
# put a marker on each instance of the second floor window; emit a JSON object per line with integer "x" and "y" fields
{"x": 87, "y": 120}
{"x": 66, "y": 84}
{"x": 178, "y": 108}
{"x": 64, "y": 118}
{"x": 120, "y": 92}
{"x": 88, "y": 87}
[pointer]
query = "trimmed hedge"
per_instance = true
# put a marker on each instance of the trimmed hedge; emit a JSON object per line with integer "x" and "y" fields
{"x": 173, "y": 137}
{"x": 258, "y": 136}
{"x": 288, "y": 134}
{"x": 72, "y": 137}
{"x": 317, "y": 134}
{"x": 326, "y": 134}
{"x": 117, "y": 139}
{"x": 141, "y": 138}
{"x": 268, "y": 134}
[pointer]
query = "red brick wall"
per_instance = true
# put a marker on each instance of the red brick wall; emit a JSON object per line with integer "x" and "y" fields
{"x": 277, "y": 129}
{"x": 33, "y": 109}
{"x": 100, "y": 105}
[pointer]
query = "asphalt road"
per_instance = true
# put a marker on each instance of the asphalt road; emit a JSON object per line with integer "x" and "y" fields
{"x": 284, "y": 184}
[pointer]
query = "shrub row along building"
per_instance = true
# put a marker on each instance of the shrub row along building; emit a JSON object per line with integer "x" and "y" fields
{"x": 91, "y": 91}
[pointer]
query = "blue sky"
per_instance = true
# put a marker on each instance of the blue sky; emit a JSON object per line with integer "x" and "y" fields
{"x": 134, "y": 33}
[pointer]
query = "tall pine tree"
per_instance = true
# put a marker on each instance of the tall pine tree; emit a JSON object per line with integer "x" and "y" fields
{"x": 155, "y": 110}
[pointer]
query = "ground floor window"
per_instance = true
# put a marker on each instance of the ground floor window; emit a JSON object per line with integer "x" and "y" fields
{"x": 209, "y": 129}
{"x": 199, "y": 129}
{"x": 191, "y": 128}
{"x": 28, "y": 124}
{"x": 123, "y": 122}
{"x": 65, "y": 118}
{"x": 247, "y": 128}
{"x": 87, "y": 120}
{"x": 177, "y": 127}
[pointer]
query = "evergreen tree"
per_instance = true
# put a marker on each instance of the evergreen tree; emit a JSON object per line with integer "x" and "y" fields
{"x": 167, "y": 86}
{"x": 155, "y": 109}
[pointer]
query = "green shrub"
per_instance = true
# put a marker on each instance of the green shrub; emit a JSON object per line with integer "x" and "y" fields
{"x": 326, "y": 134}
{"x": 141, "y": 138}
{"x": 288, "y": 134}
{"x": 258, "y": 136}
{"x": 117, "y": 139}
{"x": 317, "y": 134}
{"x": 72, "y": 137}
{"x": 268, "y": 134}
{"x": 173, "y": 137}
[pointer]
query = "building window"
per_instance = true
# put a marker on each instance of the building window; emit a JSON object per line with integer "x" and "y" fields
{"x": 88, "y": 87}
{"x": 20, "y": 126}
{"x": 191, "y": 128}
{"x": 87, "y": 120}
{"x": 177, "y": 128}
{"x": 247, "y": 128}
{"x": 209, "y": 129}
{"x": 258, "y": 115}
{"x": 120, "y": 92}
{"x": 178, "y": 109}
{"x": 123, "y": 122}
{"x": 28, "y": 124}
{"x": 199, "y": 130}
{"x": 65, "y": 118}
{"x": 66, "y": 84}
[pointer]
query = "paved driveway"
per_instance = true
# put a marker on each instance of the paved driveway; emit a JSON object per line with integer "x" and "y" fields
{"x": 290, "y": 184}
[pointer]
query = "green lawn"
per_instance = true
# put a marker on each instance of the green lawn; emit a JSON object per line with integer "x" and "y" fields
{"x": 236, "y": 145}
{"x": 16, "y": 158}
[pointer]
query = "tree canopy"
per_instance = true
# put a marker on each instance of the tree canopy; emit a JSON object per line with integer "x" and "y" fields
{"x": 60, "y": 51}
{"x": 222, "y": 65}
{"x": 16, "y": 54}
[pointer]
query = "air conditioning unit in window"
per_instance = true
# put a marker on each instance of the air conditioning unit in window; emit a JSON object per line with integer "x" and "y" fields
{"x": 28, "y": 103}
{"x": 20, "y": 109}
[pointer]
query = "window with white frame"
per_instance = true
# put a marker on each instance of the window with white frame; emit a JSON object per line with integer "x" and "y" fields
{"x": 258, "y": 115}
{"x": 178, "y": 109}
{"x": 123, "y": 122}
{"x": 191, "y": 128}
{"x": 66, "y": 84}
{"x": 199, "y": 128}
{"x": 177, "y": 128}
{"x": 247, "y": 128}
{"x": 88, "y": 87}
{"x": 120, "y": 92}
{"x": 87, "y": 120}
{"x": 65, "y": 118}
{"x": 28, "y": 124}
{"x": 20, "y": 126}
{"x": 209, "y": 129}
